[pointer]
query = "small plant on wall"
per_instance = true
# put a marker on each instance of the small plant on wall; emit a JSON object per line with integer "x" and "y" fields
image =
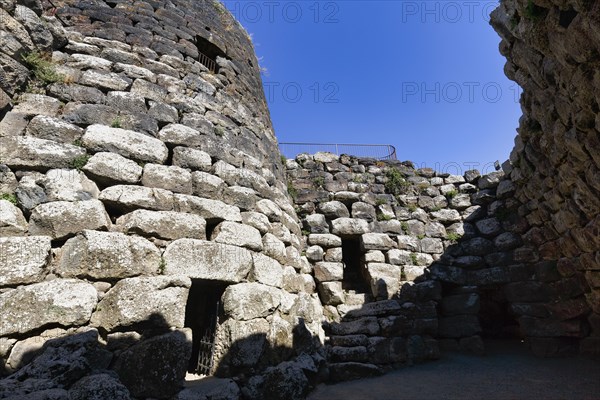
{"x": 395, "y": 182}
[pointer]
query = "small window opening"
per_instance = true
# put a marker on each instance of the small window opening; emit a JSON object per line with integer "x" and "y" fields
{"x": 353, "y": 267}
{"x": 208, "y": 53}
{"x": 201, "y": 316}
{"x": 210, "y": 227}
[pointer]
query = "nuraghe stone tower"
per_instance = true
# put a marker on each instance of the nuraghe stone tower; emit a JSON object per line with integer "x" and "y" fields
{"x": 149, "y": 227}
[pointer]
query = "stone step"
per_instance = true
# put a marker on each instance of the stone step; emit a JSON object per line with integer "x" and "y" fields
{"x": 352, "y": 370}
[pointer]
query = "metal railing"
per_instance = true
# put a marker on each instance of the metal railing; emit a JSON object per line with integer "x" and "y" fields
{"x": 377, "y": 151}
{"x": 207, "y": 62}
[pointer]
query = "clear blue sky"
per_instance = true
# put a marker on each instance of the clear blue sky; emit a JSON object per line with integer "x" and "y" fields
{"x": 425, "y": 76}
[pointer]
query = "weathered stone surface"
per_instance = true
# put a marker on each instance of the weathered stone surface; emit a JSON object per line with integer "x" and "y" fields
{"x": 489, "y": 227}
{"x": 62, "y": 362}
{"x": 23, "y": 259}
{"x": 368, "y": 326}
{"x": 340, "y": 372}
{"x": 175, "y": 179}
{"x": 331, "y": 293}
{"x": 68, "y": 185}
{"x": 210, "y": 210}
{"x": 412, "y": 272}
{"x": 329, "y": 271}
{"x": 199, "y": 259}
{"x": 168, "y": 355}
{"x": 129, "y": 144}
{"x": 176, "y": 134}
{"x": 168, "y": 225}
{"x": 446, "y": 216}
{"x": 62, "y": 219}
{"x": 459, "y": 326}
{"x": 237, "y": 234}
{"x": 334, "y": 209}
{"x": 12, "y": 221}
{"x": 384, "y": 279}
{"x": 98, "y": 387}
{"x": 349, "y": 227}
{"x": 467, "y": 303}
{"x": 145, "y": 300}
{"x": 266, "y": 270}
{"x": 324, "y": 240}
{"x": 376, "y": 241}
{"x": 38, "y": 154}
{"x": 112, "y": 168}
{"x": 246, "y": 301}
{"x": 270, "y": 209}
{"x": 257, "y": 220}
{"x": 213, "y": 388}
{"x": 193, "y": 159}
{"x": 103, "y": 80}
{"x": 49, "y": 128}
{"x": 128, "y": 198}
{"x": 107, "y": 255}
{"x": 363, "y": 211}
{"x": 67, "y": 302}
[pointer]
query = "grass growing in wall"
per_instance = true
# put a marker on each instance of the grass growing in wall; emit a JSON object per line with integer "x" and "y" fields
{"x": 413, "y": 258}
{"x": 395, "y": 182}
{"x": 404, "y": 227}
{"x": 453, "y": 237}
{"x": 318, "y": 181}
{"x": 292, "y": 190}
{"x": 79, "y": 162}
{"x": 43, "y": 68}
{"x": 162, "y": 266}
{"x": 383, "y": 217}
{"x": 116, "y": 123}
{"x": 9, "y": 197}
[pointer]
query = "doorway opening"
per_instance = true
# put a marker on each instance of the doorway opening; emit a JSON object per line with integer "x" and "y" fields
{"x": 353, "y": 267}
{"x": 201, "y": 316}
{"x": 497, "y": 319}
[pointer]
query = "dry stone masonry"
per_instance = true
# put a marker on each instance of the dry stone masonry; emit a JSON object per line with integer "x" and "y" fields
{"x": 149, "y": 227}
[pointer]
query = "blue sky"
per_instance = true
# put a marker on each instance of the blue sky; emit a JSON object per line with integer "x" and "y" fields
{"x": 424, "y": 76}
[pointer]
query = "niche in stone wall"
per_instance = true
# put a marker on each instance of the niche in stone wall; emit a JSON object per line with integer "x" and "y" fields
{"x": 208, "y": 53}
{"x": 352, "y": 257}
{"x": 201, "y": 316}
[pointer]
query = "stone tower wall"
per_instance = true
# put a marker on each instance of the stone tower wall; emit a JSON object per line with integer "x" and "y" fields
{"x": 552, "y": 50}
{"x": 133, "y": 169}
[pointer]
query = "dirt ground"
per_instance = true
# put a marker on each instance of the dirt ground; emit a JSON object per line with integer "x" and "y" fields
{"x": 508, "y": 372}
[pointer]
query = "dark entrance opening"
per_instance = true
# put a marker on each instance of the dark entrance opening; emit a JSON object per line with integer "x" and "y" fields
{"x": 497, "y": 319}
{"x": 353, "y": 267}
{"x": 208, "y": 53}
{"x": 201, "y": 316}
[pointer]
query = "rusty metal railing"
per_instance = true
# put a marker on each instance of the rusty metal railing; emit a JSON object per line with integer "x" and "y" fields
{"x": 377, "y": 151}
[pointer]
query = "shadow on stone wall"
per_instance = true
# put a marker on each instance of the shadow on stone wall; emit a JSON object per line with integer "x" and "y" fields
{"x": 84, "y": 365}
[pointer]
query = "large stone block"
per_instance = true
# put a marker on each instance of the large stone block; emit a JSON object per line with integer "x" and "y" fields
{"x": 12, "y": 221}
{"x": 155, "y": 301}
{"x": 200, "y": 259}
{"x": 346, "y": 227}
{"x": 329, "y": 271}
{"x": 39, "y": 154}
{"x": 267, "y": 270}
{"x": 173, "y": 178}
{"x": 112, "y": 168}
{"x": 128, "y": 198}
{"x": 247, "y": 301}
{"x": 129, "y": 144}
{"x": 23, "y": 260}
{"x": 237, "y": 234}
{"x": 66, "y": 302}
{"x": 210, "y": 210}
{"x": 62, "y": 219}
{"x": 68, "y": 185}
{"x": 156, "y": 367}
{"x": 107, "y": 255}
{"x": 169, "y": 225}
{"x": 376, "y": 241}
